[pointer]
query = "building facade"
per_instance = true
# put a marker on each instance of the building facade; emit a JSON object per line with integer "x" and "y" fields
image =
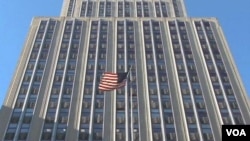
{"x": 183, "y": 83}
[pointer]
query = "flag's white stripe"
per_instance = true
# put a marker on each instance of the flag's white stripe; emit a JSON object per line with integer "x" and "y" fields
{"x": 111, "y": 78}
{"x": 111, "y": 87}
{"x": 108, "y": 83}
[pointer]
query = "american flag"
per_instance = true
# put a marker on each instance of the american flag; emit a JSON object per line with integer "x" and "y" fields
{"x": 111, "y": 81}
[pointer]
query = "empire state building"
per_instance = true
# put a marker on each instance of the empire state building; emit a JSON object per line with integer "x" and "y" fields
{"x": 182, "y": 84}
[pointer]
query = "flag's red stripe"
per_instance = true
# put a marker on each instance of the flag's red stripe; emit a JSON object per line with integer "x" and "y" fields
{"x": 111, "y": 86}
{"x": 109, "y": 80}
{"x": 107, "y": 87}
{"x": 104, "y": 89}
{"x": 110, "y": 75}
{"x": 108, "y": 83}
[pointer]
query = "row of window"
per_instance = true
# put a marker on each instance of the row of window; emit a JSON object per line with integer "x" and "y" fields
{"x": 190, "y": 81}
{"x": 159, "y": 102}
{"x": 124, "y": 9}
{"x": 218, "y": 74}
{"x": 88, "y": 97}
{"x": 70, "y": 8}
{"x": 20, "y": 121}
{"x": 189, "y": 111}
{"x": 55, "y": 112}
{"x": 126, "y": 28}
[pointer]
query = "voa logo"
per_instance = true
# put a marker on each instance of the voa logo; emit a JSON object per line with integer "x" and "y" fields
{"x": 236, "y": 132}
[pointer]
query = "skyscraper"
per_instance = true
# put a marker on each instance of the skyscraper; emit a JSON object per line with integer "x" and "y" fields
{"x": 183, "y": 83}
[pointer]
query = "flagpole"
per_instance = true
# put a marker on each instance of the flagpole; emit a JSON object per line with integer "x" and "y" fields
{"x": 131, "y": 104}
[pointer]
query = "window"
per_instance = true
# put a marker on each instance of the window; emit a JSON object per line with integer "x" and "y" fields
{"x": 157, "y": 136}
{"x": 60, "y": 135}
{"x": 9, "y": 135}
{"x": 164, "y": 9}
{"x": 39, "y": 36}
{"x": 83, "y": 135}
{"x": 14, "y": 118}
{"x": 226, "y": 120}
{"x": 41, "y": 65}
{"x": 76, "y": 34}
{"x": 197, "y": 91}
{"x": 27, "y": 119}
{"x": 69, "y": 78}
{"x": 99, "y": 103}
{"x": 229, "y": 91}
{"x": 65, "y": 103}
{"x": 55, "y": 90}
{"x": 174, "y": 36}
{"x": 188, "y": 105}
{"x": 154, "y": 104}
{"x": 120, "y": 9}
{"x": 146, "y": 10}
{"x": 164, "y": 91}
{"x": 185, "y": 91}
{"x": 222, "y": 104}
{"x": 194, "y": 79}
{"x": 208, "y": 136}
{"x": 238, "y": 119}
{"x": 139, "y": 9}
{"x": 191, "y": 120}
{"x": 22, "y": 136}
{"x": 214, "y": 78}
{"x": 169, "y": 120}
{"x": 49, "y": 118}
{"x": 217, "y": 91}
{"x": 204, "y": 120}
{"x": 19, "y": 103}
{"x": 182, "y": 79}
{"x": 31, "y": 103}
{"x": 171, "y": 136}
{"x": 157, "y": 9}
{"x": 194, "y": 136}
{"x": 156, "y": 120}
{"x": 63, "y": 119}
{"x": 38, "y": 78}
{"x": 98, "y": 118}
{"x": 97, "y": 135}
{"x": 85, "y": 119}
{"x": 83, "y": 9}
{"x": 127, "y": 9}
{"x": 120, "y": 119}
{"x": 101, "y": 8}
{"x": 120, "y": 136}
{"x": 89, "y": 8}
{"x": 108, "y": 9}
{"x": 46, "y": 135}
{"x": 71, "y": 66}
{"x": 200, "y": 105}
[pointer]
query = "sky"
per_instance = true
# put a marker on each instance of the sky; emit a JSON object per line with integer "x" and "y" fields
{"x": 16, "y": 17}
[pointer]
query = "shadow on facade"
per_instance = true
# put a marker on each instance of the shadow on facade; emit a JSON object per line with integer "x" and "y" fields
{"x": 32, "y": 127}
